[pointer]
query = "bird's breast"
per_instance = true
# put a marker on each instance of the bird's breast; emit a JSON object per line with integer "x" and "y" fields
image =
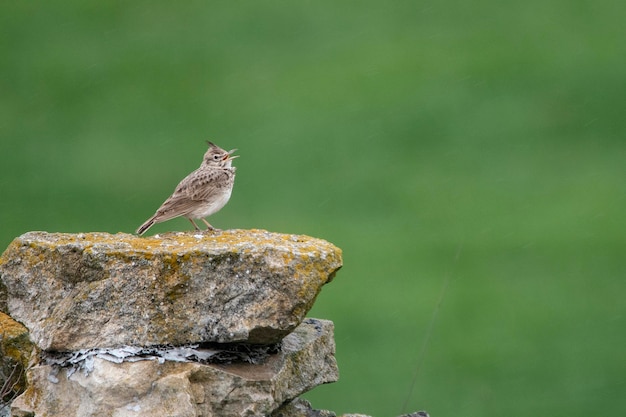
{"x": 213, "y": 205}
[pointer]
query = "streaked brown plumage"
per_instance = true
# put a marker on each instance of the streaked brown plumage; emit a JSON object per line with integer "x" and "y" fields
{"x": 200, "y": 194}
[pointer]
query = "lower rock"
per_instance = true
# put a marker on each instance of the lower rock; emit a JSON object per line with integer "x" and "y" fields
{"x": 300, "y": 408}
{"x": 174, "y": 389}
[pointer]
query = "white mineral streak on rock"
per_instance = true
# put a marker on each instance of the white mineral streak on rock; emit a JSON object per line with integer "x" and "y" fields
{"x": 181, "y": 389}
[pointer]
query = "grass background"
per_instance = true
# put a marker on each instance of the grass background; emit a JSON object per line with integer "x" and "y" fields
{"x": 475, "y": 149}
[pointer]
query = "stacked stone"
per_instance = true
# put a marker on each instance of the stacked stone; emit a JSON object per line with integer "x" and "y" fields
{"x": 182, "y": 324}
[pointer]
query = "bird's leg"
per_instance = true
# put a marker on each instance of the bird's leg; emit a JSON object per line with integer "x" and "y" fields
{"x": 209, "y": 227}
{"x": 194, "y": 223}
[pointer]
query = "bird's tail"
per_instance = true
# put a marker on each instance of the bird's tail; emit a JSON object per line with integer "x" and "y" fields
{"x": 144, "y": 227}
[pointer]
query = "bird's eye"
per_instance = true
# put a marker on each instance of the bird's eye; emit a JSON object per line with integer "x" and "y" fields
{"x": 216, "y": 157}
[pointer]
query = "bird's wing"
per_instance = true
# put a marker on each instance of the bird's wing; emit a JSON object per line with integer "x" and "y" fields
{"x": 195, "y": 187}
{"x": 203, "y": 185}
{"x": 178, "y": 204}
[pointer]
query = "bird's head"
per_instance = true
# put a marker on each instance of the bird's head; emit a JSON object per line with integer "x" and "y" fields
{"x": 217, "y": 156}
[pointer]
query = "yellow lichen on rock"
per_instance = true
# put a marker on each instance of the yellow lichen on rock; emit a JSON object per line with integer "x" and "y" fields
{"x": 77, "y": 291}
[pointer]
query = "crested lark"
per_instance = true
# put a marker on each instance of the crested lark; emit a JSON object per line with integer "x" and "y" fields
{"x": 201, "y": 193}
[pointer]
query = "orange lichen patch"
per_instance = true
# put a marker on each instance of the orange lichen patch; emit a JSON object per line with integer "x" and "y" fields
{"x": 9, "y": 327}
{"x": 14, "y": 341}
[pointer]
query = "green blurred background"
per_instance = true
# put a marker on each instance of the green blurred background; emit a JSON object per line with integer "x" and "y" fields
{"x": 474, "y": 149}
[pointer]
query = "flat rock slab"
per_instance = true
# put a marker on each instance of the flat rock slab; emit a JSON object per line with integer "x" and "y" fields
{"x": 174, "y": 389}
{"x": 88, "y": 290}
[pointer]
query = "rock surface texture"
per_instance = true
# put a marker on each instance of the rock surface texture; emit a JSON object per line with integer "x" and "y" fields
{"x": 80, "y": 291}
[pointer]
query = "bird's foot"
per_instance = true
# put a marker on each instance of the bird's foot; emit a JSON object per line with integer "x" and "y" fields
{"x": 210, "y": 228}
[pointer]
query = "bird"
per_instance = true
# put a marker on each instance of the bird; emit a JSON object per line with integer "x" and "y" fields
{"x": 200, "y": 194}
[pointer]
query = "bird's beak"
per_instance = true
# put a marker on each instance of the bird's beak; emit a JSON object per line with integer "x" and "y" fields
{"x": 230, "y": 155}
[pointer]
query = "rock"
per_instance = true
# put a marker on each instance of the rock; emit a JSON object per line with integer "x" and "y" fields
{"x": 354, "y": 415}
{"x": 80, "y": 291}
{"x": 174, "y": 389}
{"x": 300, "y": 408}
{"x": 15, "y": 353}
